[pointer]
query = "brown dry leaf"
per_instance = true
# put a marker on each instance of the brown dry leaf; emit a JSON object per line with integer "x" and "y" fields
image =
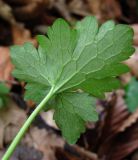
{"x": 6, "y": 12}
{"x": 129, "y": 121}
{"x": 135, "y": 155}
{"x": 135, "y": 28}
{"x": 95, "y": 7}
{"x": 1, "y": 153}
{"x": 133, "y": 63}
{"x": 1, "y": 134}
{"x": 125, "y": 78}
{"x": 124, "y": 144}
{"x": 48, "y": 118}
{"x": 131, "y": 10}
{"x": 21, "y": 35}
{"x": 45, "y": 141}
{"x": 105, "y": 9}
{"x": 116, "y": 114}
{"x": 51, "y": 144}
{"x": 5, "y": 64}
{"x": 60, "y": 153}
{"x": 110, "y": 9}
{"x": 119, "y": 134}
{"x": 11, "y": 119}
{"x": 79, "y": 8}
{"x": 73, "y": 152}
{"x": 28, "y": 9}
{"x": 61, "y": 6}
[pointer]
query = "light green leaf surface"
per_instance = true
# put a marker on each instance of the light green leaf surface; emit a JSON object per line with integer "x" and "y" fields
{"x": 71, "y": 111}
{"x": 84, "y": 57}
{"x": 132, "y": 95}
{"x": 3, "y": 89}
{"x": 3, "y": 94}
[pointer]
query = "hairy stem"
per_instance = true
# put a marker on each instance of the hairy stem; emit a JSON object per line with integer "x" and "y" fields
{"x": 26, "y": 125}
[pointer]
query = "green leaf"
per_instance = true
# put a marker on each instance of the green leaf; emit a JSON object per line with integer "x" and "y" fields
{"x": 4, "y": 90}
{"x": 132, "y": 95}
{"x": 36, "y": 93}
{"x": 1, "y": 102}
{"x": 67, "y": 59}
{"x": 71, "y": 111}
{"x": 99, "y": 86}
{"x": 113, "y": 45}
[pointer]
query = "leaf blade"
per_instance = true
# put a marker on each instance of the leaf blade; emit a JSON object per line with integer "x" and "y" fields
{"x": 68, "y": 59}
{"x": 72, "y": 111}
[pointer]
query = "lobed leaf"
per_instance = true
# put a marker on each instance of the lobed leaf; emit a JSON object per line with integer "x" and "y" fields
{"x": 84, "y": 57}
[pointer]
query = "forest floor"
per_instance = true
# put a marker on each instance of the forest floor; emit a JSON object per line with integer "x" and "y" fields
{"x": 115, "y": 135}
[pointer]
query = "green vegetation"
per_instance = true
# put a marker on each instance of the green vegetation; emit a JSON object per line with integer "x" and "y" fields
{"x": 86, "y": 58}
{"x": 3, "y": 94}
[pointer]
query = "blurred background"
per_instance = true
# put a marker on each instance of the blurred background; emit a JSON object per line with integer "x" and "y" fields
{"x": 115, "y": 135}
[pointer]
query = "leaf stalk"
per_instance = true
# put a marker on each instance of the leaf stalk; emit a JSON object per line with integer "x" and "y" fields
{"x": 26, "y": 125}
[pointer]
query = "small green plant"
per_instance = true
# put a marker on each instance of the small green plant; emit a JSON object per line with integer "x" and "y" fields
{"x": 69, "y": 59}
{"x": 131, "y": 97}
{"x": 3, "y": 94}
